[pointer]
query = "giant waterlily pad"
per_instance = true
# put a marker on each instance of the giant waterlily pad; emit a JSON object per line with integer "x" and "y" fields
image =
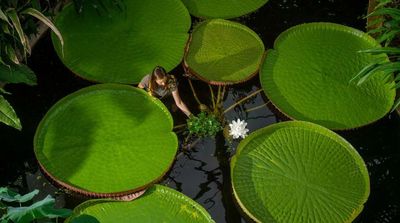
{"x": 121, "y": 46}
{"x": 307, "y": 76}
{"x": 106, "y": 140}
{"x": 299, "y": 172}
{"x": 224, "y": 52}
{"x": 158, "y": 204}
{"x": 222, "y": 8}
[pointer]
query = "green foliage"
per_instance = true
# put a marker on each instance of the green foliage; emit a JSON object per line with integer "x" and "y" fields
{"x": 17, "y": 27}
{"x": 17, "y": 23}
{"x": 390, "y": 28}
{"x": 387, "y": 33}
{"x": 388, "y": 69}
{"x": 204, "y": 125}
{"x": 38, "y": 210}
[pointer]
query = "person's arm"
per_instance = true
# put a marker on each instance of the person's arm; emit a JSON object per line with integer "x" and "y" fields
{"x": 140, "y": 85}
{"x": 181, "y": 105}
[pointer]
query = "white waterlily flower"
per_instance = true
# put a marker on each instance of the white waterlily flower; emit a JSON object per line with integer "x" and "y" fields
{"x": 238, "y": 129}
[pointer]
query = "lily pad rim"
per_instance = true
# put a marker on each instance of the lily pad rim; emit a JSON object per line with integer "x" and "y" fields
{"x": 316, "y": 24}
{"x": 76, "y": 189}
{"x": 352, "y": 151}
{"x": 76, "y": 211}
{"x": 187, "y": 68}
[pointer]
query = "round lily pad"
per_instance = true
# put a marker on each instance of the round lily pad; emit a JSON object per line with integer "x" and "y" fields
{"x": 224, "y": 52}
{"x": 158, "y": 204}
{"x": 225, "y": 9}
{"x": 299, "y": 172}
{"x": 106, "y": 140}
{"x": 307, "y": 76}
{"x": 123, "y": 45}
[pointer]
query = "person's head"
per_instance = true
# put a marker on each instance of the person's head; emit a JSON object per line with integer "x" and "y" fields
{"x": 159, "y": 77}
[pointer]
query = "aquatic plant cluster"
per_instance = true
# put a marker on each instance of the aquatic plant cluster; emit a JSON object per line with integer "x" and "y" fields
{"x": 114, "y": 141}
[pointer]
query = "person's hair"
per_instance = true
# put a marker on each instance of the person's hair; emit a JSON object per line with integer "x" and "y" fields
{"x": 158, "y": 73}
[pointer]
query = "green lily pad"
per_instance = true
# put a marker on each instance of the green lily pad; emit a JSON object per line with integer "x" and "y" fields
{"x": 307, "y": 76}
{"x": 123, "y": 46}
{"x": 225, "y": 9}
{"x": 224, "y": 52}
{"x": 106, "y": 140}
{"x": 299, "y": 172}
{"x": 158, "y": 204}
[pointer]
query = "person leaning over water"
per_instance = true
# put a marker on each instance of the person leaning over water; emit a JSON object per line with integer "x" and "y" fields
{"x": 161, "y": 84}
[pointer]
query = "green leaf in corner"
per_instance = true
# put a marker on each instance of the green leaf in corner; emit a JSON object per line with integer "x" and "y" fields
{"x": 15, "y": 74}
{"x": 35, "y": 13}
{"x": 8, "y": 115}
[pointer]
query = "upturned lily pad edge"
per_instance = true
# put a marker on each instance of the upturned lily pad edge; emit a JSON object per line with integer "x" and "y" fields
{"x": 318, "y": 128}
{"x": 190, "y": 71}
{"x": 154, "y": 188}
{"x": 76, "y": 189}
{"x": 283, "y": 35}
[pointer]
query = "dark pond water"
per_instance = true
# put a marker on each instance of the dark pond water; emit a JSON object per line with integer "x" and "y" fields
{"x": 203, "y": 172}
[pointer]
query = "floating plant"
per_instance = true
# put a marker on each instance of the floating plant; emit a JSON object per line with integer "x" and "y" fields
{"x": 307, "y": 76}
{"x": 122, "y": 46}
{"x": 106, "y": 140}
{"x": 299, "y": 172}
{"x": 224, "y": 52}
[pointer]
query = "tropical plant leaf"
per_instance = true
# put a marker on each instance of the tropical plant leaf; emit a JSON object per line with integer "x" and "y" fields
{"x": 123, "y": 47}
{"x": 15, "y": 74}
{"x": 158, "y": 204}
{"x": 387, "y": 50}
{"x": 393, "y": 12}
{"x": 122, "y": 134}
{"x": 12, "y": 14}
{"x": 388, "y": 36}
{"x": 9, "y": 195}
{"x": 8, "y": 115}
{"x": 38, "y": 210}
{"x": 299, "y": 172}
{"x": 389, "y": 67}
{"x": 307, "y": 76}
{"x": 11, "y": 54}
{"x": 224, "y": 9}
{"x": 224, "y": 52}
{"x": 35, "y": 13}
{"x": 396, "y": 106}
{"x": 4, "y": 17}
